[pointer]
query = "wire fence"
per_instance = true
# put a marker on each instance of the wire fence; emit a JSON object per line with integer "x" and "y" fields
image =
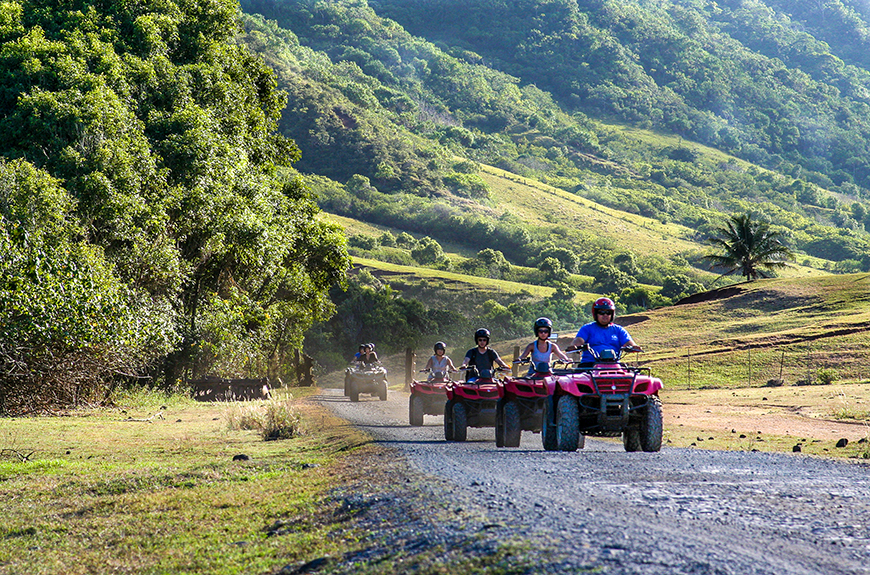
{"x": 811, "y": 362}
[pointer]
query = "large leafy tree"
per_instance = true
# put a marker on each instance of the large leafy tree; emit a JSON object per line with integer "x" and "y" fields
{"x": 161, "y": 133}
{"x": 749, "y": 247}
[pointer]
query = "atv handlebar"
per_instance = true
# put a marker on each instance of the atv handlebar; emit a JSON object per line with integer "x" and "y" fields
{"x": 471, "y": 367}
{"x": 448, "y": 370}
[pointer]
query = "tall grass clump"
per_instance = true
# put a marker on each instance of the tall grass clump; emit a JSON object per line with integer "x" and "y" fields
{"x": 272, "y": 419}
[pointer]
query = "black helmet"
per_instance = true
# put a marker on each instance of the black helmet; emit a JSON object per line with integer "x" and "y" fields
{"x": 439, "y": 345}
{"x": 371, "y": 345}
{"x": 482, "y": 332}
{"x": 543, "y": 322}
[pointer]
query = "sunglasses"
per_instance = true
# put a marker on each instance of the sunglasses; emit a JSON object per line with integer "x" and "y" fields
{"x": 543, "y": 330}
{"x": 604, "y": 312}
{"x": 482, "y": 339}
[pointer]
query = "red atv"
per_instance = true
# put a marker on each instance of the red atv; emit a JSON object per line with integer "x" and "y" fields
{"x": 523, "y": 404}
{"x": 471, "y": 404}
{"x": 428, "y": 397}
{"x": 607, "y": 400}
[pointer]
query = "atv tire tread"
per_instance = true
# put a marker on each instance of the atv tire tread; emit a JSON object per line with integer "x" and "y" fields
{"x": 651, "y": 426}
{"x": 511, "y": 424}
{"x": 548, "y": 426}
{"x": 448, "y": 421}
{"x": 568, "y": 423}
{"x": 460, "y": 422}
{"x": 415, "y": 411}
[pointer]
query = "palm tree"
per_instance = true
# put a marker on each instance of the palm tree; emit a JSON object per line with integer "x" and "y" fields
{"x": 750, "y": 247}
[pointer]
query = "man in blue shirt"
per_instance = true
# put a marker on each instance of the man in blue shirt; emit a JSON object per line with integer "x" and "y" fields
{"x": 602, "y": 333}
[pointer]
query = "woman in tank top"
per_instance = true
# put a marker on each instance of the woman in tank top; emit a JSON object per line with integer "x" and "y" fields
{"x": 542, "y": 349}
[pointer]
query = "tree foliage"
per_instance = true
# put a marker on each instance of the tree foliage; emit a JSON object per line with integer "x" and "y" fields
{"x": 159, "y": 133}
{"x": 750, "y": 247}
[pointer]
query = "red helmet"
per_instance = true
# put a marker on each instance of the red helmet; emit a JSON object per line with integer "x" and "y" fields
{"x": 604, "y": 304}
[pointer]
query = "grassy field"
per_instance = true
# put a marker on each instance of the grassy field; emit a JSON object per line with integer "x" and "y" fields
{"x": 567, "y": 214}
{"x": 118, "y": 491}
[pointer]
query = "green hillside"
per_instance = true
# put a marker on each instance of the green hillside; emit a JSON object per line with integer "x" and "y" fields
{"x": 386, "y": 113}
{"x": 750, "y": 78}
{"x": 797, "y": 330}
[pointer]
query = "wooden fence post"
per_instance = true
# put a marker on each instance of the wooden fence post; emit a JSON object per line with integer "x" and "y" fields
{"x": 410, "y": 367}
{"x": 749, "y": 353}
{"x": 689, "y": 366}
{"x": 515, "y": 367}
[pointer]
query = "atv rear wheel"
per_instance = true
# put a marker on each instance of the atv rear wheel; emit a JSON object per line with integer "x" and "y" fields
{"x": 548, "y": 426}
{"x": 460, "y": 422}
{"x": 415, "y": 410}
{"x": 448, "y": 421}
{"x": 651, "y": 425}
{"x": 512, "y": 432}
{"x": 568, "y": 423}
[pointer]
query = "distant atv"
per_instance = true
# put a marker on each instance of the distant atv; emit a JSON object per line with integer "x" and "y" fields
{"x": 428, "y": 397}
{"x": 471, "y": 404}
{"x": 523, "y": 404}
{"x": 365, "y": 378}
{"x": 607, "y": 400}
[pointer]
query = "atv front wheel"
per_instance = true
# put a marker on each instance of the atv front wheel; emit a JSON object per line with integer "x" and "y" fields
{"x": 651, "y": 425}
{"x": 448, "y": 421}
{"x": 512, "y": 432}
{"x": 568, "y": 423}
{"x": 499, "y": 424}
{"x": 460, "y": 422}
{"x": 415, "y": 410}
{"x": 548, "y": 426}
{"x": 382, "y": 391}
{"x": 353, "y": 391}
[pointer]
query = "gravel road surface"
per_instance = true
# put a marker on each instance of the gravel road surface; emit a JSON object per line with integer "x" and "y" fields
{"x": 604, "y": 510}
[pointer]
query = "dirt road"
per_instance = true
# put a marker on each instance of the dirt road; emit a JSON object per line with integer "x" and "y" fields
{"x": 604, "y": 510}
